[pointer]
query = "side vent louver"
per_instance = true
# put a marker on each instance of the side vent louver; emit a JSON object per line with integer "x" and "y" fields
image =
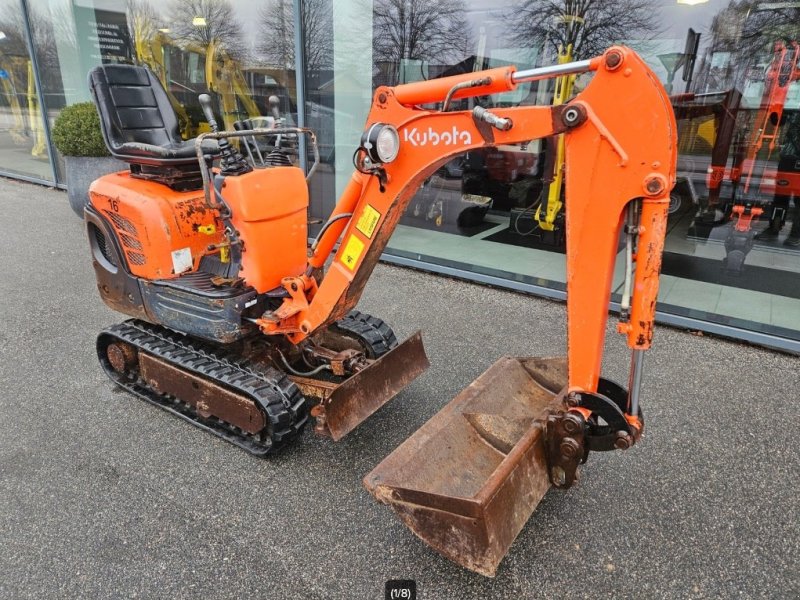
{"x": 129, "y": 237}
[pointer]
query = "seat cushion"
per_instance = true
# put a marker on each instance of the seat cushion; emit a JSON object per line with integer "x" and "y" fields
{"x": 183, "y": 150}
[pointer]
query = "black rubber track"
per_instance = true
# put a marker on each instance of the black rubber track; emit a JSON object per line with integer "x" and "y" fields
{"x": 376, "y": 337}
{"x": 285, "y": 408}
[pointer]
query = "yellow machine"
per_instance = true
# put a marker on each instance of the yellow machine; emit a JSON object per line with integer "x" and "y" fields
{"x": 35, "y": 116}
{"x": 14, "y": 67}
{"x": 546, "y": 214}
{"x": 224, "y": 77}
{"x": 150, "y": 52}
{"x": 9, "y": 90}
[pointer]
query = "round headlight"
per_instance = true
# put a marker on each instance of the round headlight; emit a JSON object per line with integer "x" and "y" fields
{"x": 381, "y": 142}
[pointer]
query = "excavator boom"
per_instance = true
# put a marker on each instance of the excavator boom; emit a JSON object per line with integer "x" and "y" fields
{"x": 467, "y": 482}
{"x": 620, "y": 155}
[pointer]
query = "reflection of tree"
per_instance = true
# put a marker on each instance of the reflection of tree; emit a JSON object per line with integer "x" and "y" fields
{"x": 742, "y": 35}
{"x": 12, "y": 26}
{"x": 429, "y": 30}
{"x": 14, "y": 44}
{"x": 590, "y": 26}
{"x": 277, "y": 20}
{"x": 763, "y": 27}
{"x": 207, "y": 22}
{"x": 143, "y": 21}
{"x": 63, "y": 22}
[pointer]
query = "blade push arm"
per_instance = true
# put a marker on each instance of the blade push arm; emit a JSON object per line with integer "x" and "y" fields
{"x": 620, "y": 146}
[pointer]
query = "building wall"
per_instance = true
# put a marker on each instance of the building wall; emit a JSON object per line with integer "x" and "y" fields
{"x": 735, "y": 94}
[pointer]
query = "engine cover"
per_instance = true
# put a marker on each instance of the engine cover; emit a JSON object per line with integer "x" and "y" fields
{"x": 161, "y": 232}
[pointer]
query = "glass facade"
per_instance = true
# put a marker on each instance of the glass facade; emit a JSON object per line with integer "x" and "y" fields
{"x": 732, "y": 68}
{"x": 732, "y": 255}
{"x": 23, "y": 141}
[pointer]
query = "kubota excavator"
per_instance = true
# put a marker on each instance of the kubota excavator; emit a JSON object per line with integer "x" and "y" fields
{"x": 237, "y": 324}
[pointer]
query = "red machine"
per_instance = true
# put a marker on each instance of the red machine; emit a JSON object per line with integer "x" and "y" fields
{"x": 781, "y": 73}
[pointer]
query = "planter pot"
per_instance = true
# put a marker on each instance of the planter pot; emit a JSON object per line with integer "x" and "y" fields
{"x": 82, "y": 171}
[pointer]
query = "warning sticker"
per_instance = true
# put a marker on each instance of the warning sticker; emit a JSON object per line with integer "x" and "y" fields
{"x": 352, "y": 252}
{"x": 368, "y": 221}
{"x": 181, "y": 260}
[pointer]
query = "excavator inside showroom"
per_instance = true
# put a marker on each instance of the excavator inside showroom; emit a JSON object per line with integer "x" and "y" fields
{"x": 243, "y": 328}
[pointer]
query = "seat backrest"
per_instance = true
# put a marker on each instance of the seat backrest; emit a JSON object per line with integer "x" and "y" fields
{"x": 133, "y": 107}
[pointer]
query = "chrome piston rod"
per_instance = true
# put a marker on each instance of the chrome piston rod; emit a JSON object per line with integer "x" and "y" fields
{"x": 635, "y": 381}
{"x": 570, "y": 68}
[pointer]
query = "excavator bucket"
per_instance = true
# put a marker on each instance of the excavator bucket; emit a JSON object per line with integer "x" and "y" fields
{"x": 468, "y": 480}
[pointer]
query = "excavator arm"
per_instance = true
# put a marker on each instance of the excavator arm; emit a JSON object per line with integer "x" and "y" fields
{"x": 782, "y": 72}
{"x": 620, "y": 153}
{"x": 550, "y": 207}
{"x": 467, "y": 481}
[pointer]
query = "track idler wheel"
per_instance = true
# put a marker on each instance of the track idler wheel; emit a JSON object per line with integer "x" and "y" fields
{"x": 122, "y": 357}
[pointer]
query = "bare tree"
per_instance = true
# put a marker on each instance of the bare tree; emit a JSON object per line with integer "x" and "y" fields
{"x": 745, "y": 33}
{"x": 13, "y": 29}
{"x": 590, "y": 26}
{"x": 14, "y": 43}
{"x": 429, "y": 30}
{"x": 207, "y": 22}
{"x": 143, "y": 21}
{"x": 277, "y": 19}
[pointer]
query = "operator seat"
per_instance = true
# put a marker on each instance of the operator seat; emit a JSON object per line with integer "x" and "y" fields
{"x": 140, "y": 126}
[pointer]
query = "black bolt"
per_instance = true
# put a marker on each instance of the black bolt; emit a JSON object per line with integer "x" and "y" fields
{"x": 622, "y": 441}
{"x": 382, "y": 98}
{"x": 571, "y": 425}
{"x": 294, "y": 287}
{"x": 654, "y": 185}
{"x": 569, "y": 448}
{"x": 613, "y": 60}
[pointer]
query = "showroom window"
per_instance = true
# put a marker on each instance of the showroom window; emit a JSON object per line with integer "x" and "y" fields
{"x": 240, "y": 52}
{"x": 23, "y": 140}
{"x": 732, "y": 259}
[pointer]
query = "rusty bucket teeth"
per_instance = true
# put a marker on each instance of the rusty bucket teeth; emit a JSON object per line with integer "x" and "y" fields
{"x": 468, "y": 480}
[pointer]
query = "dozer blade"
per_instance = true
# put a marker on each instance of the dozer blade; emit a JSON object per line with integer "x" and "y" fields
{"x": 468, "y": 480}
{"x": 343, "y": 407}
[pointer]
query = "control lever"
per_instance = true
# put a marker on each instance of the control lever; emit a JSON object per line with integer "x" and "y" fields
{"x": 274, "y": 108}
{"x": 243, "y": 126}
{"x": 232, "y": 163}
{"x": 205, "y": 104}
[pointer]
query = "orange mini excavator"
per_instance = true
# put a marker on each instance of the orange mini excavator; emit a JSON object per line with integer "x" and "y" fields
{"x": 239, "y": 327}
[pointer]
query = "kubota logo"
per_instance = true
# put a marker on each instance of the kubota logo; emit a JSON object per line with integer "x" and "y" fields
{"x": 434, "y": 138}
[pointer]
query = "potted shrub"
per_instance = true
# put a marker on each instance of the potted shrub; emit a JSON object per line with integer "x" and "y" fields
{"x": 76, "y": 134}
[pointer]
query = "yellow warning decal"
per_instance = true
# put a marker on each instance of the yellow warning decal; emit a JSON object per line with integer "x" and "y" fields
{"x": 368, "y": 221}
{"x": 352, "y": 252}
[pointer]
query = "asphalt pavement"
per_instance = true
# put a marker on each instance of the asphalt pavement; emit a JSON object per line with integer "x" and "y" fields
{"x": 103, "y": 495}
